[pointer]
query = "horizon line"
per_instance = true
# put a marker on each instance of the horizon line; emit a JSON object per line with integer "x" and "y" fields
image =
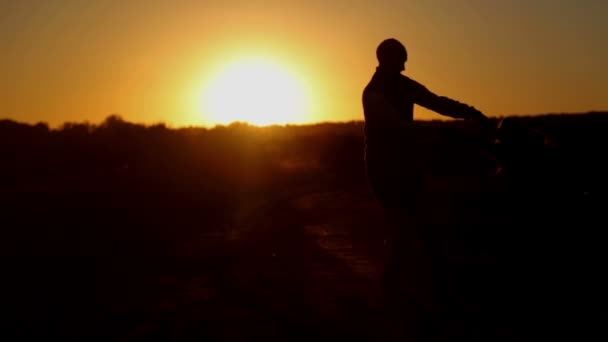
{"x": 245, "y": 123}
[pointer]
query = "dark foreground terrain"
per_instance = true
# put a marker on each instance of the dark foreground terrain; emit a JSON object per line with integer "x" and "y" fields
{"x": 126, "y": 232}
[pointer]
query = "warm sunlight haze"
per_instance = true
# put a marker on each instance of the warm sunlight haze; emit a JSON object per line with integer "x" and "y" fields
{"x": 190, "y": 63}
{"x": 295, "y": 170}
{"x": 256, "y": 91}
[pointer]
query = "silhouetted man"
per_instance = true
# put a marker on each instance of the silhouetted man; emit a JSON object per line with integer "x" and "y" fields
{"x": 390, "y": 159}
{"x": 388, "y": 104}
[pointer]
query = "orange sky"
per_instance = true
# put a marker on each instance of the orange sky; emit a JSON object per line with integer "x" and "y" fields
{"x": 71, "y": 60}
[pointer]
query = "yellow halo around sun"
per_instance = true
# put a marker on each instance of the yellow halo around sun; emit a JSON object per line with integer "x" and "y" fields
{"x": 254, "y": 90}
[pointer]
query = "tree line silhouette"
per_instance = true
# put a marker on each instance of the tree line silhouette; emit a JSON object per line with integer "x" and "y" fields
{"x": 83, "y": 199}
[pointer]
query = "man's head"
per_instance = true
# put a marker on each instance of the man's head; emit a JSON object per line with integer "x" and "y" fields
{"x": 391, "y": 55}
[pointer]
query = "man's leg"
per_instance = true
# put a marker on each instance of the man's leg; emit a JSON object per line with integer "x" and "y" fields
{"x": 408, "y": 286}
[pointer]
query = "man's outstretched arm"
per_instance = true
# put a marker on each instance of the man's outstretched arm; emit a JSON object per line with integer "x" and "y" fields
{"x": 444, "y": 105}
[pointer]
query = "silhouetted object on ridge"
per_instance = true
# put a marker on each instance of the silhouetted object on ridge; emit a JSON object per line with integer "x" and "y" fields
{"x": 388, "y": 104}
{"x": 395, "y": 179}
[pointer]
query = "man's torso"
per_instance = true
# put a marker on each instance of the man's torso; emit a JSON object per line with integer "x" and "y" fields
{"x": 388, "y": 104}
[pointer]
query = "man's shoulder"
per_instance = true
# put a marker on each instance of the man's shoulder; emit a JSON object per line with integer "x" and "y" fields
{"x": 378, "y": 88}
{"x": 379, "y": 83}
{"x": 411, "y": 82}
{"x": 372, "y": 89}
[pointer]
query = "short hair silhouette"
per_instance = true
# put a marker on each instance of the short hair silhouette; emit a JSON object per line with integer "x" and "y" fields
{"x": 391, "y": 52}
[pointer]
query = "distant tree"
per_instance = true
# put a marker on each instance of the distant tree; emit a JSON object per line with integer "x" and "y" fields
{"x": 77, "y": 129}
{"x": 158, "y": 127}
{"x": 42, "y": 127}
{"x": 113, "y": 121}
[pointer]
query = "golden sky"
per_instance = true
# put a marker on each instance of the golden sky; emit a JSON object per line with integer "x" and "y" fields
{"x": 152, "y": 60}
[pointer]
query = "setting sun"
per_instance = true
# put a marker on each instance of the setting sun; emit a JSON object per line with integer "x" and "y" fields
{"x": 256, "y": 91}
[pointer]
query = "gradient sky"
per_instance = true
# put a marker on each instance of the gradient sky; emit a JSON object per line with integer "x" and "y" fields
{"x": 75, "y": 60}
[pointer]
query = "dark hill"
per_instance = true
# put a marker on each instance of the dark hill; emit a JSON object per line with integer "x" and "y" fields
{"x": 120, "y": 230}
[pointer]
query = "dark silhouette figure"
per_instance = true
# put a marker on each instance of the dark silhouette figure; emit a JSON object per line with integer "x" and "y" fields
{"x": 388, "y": 103}
{"x": 394, "y": 178}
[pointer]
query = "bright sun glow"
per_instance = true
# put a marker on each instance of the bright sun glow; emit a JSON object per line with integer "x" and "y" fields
{"x": 256, "y": 91}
